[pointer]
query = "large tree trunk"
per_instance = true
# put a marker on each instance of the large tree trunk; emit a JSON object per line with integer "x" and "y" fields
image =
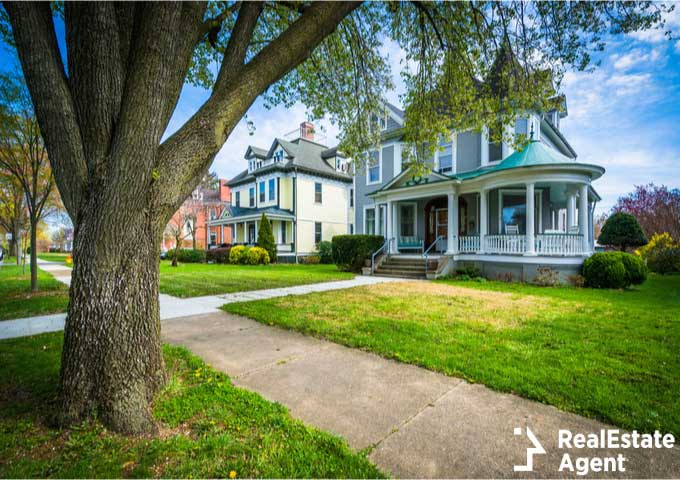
{"x": 112, "y": 362}
{"x": 34, "y": 255}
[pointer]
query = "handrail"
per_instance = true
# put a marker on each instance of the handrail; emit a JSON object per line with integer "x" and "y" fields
{"x": 386, "y": 244}
{"x": 426, "y": 253}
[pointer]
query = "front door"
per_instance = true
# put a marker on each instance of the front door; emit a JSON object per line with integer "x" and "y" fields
{"x": 436, "y": 219}
{"x": 442, "y": 219}
{"x": 251, "y": 234}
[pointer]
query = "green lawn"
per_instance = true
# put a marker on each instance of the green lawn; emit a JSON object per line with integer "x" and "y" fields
{"x": 612, "y": 355}
{"x": 17, "y": 301}
{"x": 196, "y": 279}
{"x": 54, "y": 257}
{"x": 208, "y": 428}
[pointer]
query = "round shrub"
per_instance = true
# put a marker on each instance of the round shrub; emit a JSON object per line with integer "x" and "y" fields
{"x": 238, "y": 254}
{"x": 636, "y": 270}
{"x": 605, "y": 270}
{"x": 662, "y": 254}
{"x": 622, "y": 231}
{"x": 257, "y": 256}
{"x": 325, "y": 250}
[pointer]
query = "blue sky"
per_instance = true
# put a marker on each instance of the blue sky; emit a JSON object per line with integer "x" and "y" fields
{"x": 624, "y": 116}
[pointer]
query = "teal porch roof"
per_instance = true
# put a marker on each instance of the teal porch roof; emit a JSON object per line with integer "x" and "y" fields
{"x": 534, "y": 154}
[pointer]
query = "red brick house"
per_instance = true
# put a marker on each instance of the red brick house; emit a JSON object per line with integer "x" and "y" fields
{"x": 203, "y": 205}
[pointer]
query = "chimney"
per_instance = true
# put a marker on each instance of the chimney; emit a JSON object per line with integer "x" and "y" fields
{"x": 307, "y": 131}
{"x": 224, "y": 191}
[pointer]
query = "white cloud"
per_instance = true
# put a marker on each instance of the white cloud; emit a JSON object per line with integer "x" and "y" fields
{"x": 635, "y": 58}
{"x": 658, "y": 35}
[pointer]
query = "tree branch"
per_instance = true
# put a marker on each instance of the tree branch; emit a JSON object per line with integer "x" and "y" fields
{"x": 41, "y": 62}
{"x": 186, "y": 155}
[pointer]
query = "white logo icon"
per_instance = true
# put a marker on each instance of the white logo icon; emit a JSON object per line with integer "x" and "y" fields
{"x": 537, "y": 449}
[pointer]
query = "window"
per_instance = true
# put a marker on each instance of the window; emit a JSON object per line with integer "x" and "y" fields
{"x": 446, "y": 156}
{"x": 318, "y": 197}
{"x": 351, "y": 197}
{"x": 381, "y": 219}
{"x": 369, "y": 221}
{"x": 213, "y": 215}
{"x": 283, "y": 232}
{"x": 272, "y": 189}
{"x": 213, "y": 238}
{"x": 351, "y": 229}
{"x": 338, "y": 164}
{"x": 317, "y": 232}
{"x": 514, "y": 209}
{"x": 278, "y": 156}
{"x": 407, "y": 216}
{"x": 238, "y": 199}
{"x": 495, "y": 147}
{"x": 373, "y": 168}
{"x": 262, "y": 197}
{"x": 521, "y": 127}
{"x": 252, "y": 196}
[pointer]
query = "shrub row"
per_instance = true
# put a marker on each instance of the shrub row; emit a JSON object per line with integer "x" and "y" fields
{"x": 218, "y": 255}
{"x": 351, "y": 251}
{"x": 243, "y": 255}
{"x": 187, "y": 255}
{"x": 614, "y": 270}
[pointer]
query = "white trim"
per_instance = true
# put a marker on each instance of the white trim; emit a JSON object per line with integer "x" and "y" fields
{"x": 396, "y": 159}
{"x": 518, "y": 191}
{"x": 538, "y": 259}
{"x": 415, "y": 217}
{"x": 484, "y": 147}
{"x": 375, "y": 218}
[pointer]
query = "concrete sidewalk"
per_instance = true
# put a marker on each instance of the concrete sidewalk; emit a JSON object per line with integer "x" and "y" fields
{"x": 172, "y": 307}
{"x": 417, "y": 423}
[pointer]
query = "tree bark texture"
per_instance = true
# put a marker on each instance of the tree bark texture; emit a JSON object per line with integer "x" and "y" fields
{"x": 102, "y": 125}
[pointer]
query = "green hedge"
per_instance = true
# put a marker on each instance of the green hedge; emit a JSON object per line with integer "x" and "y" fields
{"x": 614, "y": 270}
{"x": 218, "y": 255}
{"x": 187, "y": 255}
{"x": 351, "y": 251}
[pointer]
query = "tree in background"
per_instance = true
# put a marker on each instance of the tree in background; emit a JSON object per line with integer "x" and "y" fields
{"x": 622, "y": 230}
{"x": 13, "y": 218}
{"x": 104, "y": 117}
{"x": 23, "y": 155}
{"x": 181, "y": 226}
{"x": 657, "y": 208}
{"x": 265, "y": 238}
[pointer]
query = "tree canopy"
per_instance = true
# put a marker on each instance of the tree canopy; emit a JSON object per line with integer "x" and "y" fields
{"x": 623, "y": 231}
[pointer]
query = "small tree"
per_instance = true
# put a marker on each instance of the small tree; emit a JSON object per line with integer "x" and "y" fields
{"x": 265, "y": 238}
{"x": 622, "y": 231}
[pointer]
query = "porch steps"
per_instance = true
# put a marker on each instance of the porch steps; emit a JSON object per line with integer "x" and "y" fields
{"x": 395, "y": 266}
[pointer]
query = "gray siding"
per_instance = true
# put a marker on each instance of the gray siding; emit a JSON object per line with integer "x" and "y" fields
{"x": 387, "y": 173}
{"x": 468, "y": 151}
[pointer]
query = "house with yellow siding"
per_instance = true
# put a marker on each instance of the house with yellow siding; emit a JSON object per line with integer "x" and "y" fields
{"x": 303, "y": 187}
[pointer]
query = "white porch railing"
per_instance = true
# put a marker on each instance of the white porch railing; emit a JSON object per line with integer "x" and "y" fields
{"x": 468, "y": 243}
{"x": 509, "y": 244}
{"x": 559, "y": 244}
{"x": 284, "y": 247}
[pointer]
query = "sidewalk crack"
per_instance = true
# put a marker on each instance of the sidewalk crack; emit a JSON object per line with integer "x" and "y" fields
{"x": 429, "y": 404}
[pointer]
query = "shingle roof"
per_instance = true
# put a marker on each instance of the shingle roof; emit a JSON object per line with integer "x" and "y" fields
{"x": 304, "y": 155}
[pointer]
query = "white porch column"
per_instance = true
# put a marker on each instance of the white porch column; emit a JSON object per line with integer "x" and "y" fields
{"x": 245, "y": 232}
{"x": 452, "y": 227}
{"x": 483, "y": 219}
{"x": 583, "y": 227}
{"x": 571, "y": 209}
{"x": 388, "y": 226}
{"x": 530, "y": 248}
{"x": 395, "y": 227}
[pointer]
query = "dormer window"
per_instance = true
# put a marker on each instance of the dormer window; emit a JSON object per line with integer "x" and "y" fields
{"x": 495, "y": 146}
{"x": 445, "y": 155}
{"x": 278, "y": 156}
